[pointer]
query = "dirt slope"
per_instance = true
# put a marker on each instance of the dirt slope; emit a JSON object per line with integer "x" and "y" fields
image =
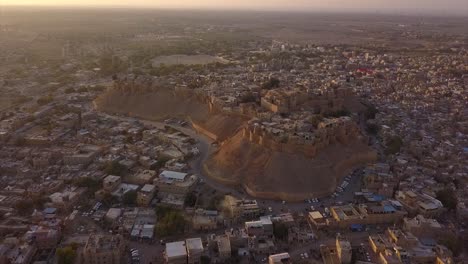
{"x": 164, "y": 104}
{"x": 270, "y": 174}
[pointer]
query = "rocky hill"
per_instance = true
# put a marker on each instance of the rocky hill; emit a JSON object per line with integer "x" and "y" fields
{"x": 248, "y": 156}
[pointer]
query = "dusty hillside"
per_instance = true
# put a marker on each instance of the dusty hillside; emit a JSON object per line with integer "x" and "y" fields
{"x": 271, "y": 174}
{"x": 261, "y": 171}
{"x": 154, "y": 106}
{"x": 163, "y": 104}
{"x": 222, "y": 126}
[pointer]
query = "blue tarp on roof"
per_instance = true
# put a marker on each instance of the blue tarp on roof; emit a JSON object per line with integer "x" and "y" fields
{"x": 389, "y": 208}
{"x": 428, "y": 242}
{"x": 378, "y": 198}
{"x": 357, "y": 227}
{"x": 50, "y": 210}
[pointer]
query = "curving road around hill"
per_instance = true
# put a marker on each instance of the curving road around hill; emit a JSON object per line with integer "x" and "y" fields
{"x": 204, "y": 145}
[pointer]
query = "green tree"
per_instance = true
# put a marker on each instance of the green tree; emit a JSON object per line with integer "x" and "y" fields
{"x": 108, "y": 199}
{"x": 393, "y": 145}
{"x": 370, "y": 112}
{"x": 454, "y": 243}
{"x": 190, "y": 199}
{"x": 338, "y": 113}
{"x": 271, "y": 83}
{"x": 92, "y": 184}
{"x": 45, "y": 100}
{"x": 280, "y": 230}
{"x": 66, "y": 255}
{"x": 24, "y": 207}
{"x": 172, "y": 222}
{"x": 205, "y": 260}
{"x": 115, "y": 168}
{"x": 315, "y": 120}
{"x": 372, "y": 128}
{"x": 162, "y": 162}
{"x": 82, "y": 89}
{"x": 129, "y": 198}
{"x": 20, "y": 141}
{"x": 69, "y": 90}
{"x": 448, "y": 198}
{"x": 248, "y": 98}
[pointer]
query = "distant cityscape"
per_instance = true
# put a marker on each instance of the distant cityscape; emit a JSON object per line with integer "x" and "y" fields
{"x": 140, "y": 137}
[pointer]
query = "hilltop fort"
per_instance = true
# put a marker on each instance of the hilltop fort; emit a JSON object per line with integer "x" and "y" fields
{"x": 284, "y": 143}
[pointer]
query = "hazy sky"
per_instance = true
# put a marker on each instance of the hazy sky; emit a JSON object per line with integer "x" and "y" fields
{"x": 456, "y": 6}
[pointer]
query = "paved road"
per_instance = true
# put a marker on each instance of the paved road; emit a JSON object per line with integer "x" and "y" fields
{"x": 204, "y": 145}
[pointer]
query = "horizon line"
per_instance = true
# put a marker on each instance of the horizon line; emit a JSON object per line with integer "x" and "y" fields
{"x": 386, "y": 11}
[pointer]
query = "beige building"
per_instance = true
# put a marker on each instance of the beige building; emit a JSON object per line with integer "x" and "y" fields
{"x": 176, "y": 253}
{"x": 111, "y": 182}
{"x": 175, "y": 183}
{"x": 424, "y": 227}
{"x": 224, "y": 246}
{"x": 143, "y": 177}
{"x": 419, "y": 203}
{"x": 346, "y": 215}
{"x": 241, "y": 208}
{"x": 281, "y": 258}
{"x": 343, "y": 250}
{"x": 67, "y": 198}
{"x": 317, "y": 219}
{"x": 146, "y": 194}
{"x": 104, "y": 249}
{"x": 194, "y": 250}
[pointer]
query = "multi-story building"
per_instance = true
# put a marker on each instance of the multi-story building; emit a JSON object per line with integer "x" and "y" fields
{"x": 224, "y": 246}
{"x": 175, "y": 183}
{"x": 343, "y": 250}
{"x": 242, "y": 208}
{"x": 317, "y": 219}
{"x": 420, "y": 203}
{"x": 176, "y": 253}
{"x": 281, "y": 258}
{"x": 194, "y": 250}
{"x": 347, "y": 215}
{"x": 146, "y": 194}
{"x": 254, "y": 228}
{"x": 424, "y": 227}
{"x": 111, "y": 182}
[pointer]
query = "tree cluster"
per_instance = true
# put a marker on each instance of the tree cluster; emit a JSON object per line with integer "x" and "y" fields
{"x": 115, "y": 168}
{"x": 393, "y": 145}
{"x": 170, "y": 222}
{"x": 271, "y": 83}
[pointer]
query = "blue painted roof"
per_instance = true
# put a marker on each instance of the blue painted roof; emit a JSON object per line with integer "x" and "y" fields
{"x": 378, "y": 198}
{"x": 389, "y": 208}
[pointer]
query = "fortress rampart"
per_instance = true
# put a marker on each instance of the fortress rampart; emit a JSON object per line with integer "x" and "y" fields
{"x": 342, "y": 130}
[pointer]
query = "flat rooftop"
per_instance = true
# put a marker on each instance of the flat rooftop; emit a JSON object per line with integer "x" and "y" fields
{"x": 176, "y": 249}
